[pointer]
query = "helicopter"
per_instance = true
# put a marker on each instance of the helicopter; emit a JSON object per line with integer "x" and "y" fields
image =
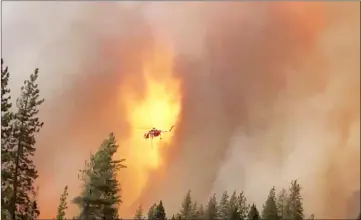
{"x": 153, "y": 133}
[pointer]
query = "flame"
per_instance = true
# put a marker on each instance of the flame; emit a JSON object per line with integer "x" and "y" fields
{"x": 158, "y": 108}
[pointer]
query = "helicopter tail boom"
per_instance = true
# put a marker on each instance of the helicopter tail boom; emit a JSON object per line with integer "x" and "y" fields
{"x": 168, "y": 130}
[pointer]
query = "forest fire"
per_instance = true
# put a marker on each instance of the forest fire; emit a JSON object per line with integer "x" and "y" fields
{"x": 257, "y": 88}
{"x": 159, "y": 107}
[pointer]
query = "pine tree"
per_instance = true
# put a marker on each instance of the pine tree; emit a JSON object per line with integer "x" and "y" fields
{"x": 7, "y": 160}
{"x": 224, "y": 206}
{"x": 6, "y": 114}
{"x": 243, "y": 207}
{"x": 194, "y": 211}
{"x": 281, "y": 203}
{"x": 312, "y": 217}
{"x": 152, "y": 211}
{"x": 270, "y": 211}
{"x": 101, "y": 195}
{"x": 63, "y": 205}
{"x": 201, "y": 213}
{"x": 233, "y": 203}
{"x": 234, "y": 214}
{"x": 25, "y": 127}
{"x": 294, "y": 207}
{"x": 212, "y": 208}
{"x": 32, "y": 209}
{"x": 85, "y": 202}
{"x": 139, "y": 213}
{"x": 253, "y": 213}
{"x": 186, "y": 209}
{"x": 160, "y": 212}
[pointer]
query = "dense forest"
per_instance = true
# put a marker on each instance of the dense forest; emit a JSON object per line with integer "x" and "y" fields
{"x": 101, "y": 193}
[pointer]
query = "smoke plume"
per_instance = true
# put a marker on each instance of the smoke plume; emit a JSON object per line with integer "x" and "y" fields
{"x": 270, "y": 93}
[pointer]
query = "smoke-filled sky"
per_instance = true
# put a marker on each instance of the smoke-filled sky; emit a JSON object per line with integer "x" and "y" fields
{"x": 261, "y": 93}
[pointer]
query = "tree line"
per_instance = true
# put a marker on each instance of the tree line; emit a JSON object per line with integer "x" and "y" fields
{"x": 286, "y": 205}
{"x": 100, "y": 196}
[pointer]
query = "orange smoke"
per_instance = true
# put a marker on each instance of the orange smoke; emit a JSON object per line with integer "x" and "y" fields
{"x": 158, "y": 107}
{"x": 307, "y": 19}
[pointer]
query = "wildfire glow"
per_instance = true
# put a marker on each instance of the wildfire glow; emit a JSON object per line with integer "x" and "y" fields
{"x": 159, "y": 108}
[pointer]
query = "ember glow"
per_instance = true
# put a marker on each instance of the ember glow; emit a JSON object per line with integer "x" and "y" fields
{"x": 158, "y": 107}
